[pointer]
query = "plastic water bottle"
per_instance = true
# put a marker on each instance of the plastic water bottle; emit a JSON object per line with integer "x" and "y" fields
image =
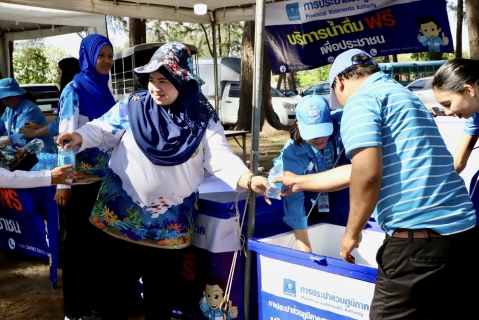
{"x": 275, "y": 190}
{"x": 66, "y": 156}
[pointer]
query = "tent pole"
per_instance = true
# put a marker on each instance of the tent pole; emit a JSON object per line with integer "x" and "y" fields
{"x": 250, "y": 274}
{"x": 215, "y": 64}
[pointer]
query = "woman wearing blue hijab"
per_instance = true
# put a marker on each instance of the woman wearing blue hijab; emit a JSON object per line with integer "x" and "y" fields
{"x": 163, "y": 140}
{"x": 84, "y": 99}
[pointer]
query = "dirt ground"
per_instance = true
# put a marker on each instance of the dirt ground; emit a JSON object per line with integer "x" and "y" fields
{"x": 26, "y": 292}
{"x": 25, "y": 289}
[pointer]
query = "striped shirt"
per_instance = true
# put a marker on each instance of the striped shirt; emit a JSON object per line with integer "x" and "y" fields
{"x": 472, "y": 125}
{"x": 420, "y": 188}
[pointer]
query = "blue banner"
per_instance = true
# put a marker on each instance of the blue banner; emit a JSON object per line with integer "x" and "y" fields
{"x": 303, "y": 35}
{"x": 29, "y": 224}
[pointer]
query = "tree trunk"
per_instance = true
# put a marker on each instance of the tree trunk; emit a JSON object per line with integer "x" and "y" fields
{"x": 291, "y": 81}
{"x": 246, "y": 96}
{"x": 267, "y": 111}
{"x": 281, "y": 79}
{"x": 218, "y": 40}
{"x": 137, "y": 31}
{"x": 10, "y": 51}
{"x": 247, "y": 61}
{"x": 460, "y": 20}
{"x": 472, "y": 14}
{"x": 228, "y": 41}
{"x": 384, "y": 59}
{"x": 395, "y": 58}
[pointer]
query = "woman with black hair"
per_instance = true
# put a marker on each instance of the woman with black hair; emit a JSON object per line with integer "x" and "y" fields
{"x": 456, "y": 88}
{"x": 67, "y": 69}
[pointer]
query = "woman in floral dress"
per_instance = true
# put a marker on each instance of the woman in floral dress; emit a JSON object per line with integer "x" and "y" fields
{"x": 85, "y": 98}
{"x": 163, "y": 139}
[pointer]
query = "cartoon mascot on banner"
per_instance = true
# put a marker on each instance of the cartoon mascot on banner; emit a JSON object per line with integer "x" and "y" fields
{"x": 212, "y": 299}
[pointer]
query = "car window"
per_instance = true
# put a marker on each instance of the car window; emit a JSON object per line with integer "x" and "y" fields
{"x": 324, "y": 89}
{"x": 43, "y": 92}
{"x": 234, "y": 90}
{"x": 311, "y": 90}
{"x": 276, "y": 93}
{"x": 417, "y": 85}
{"x": 47, "y": 105}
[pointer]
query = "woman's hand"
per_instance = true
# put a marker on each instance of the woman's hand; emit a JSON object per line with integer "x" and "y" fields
{"x": 71, "y": 139}
{"x": 61, "y": 174}
{"x": 62, "y": 196}
{"x": 29, "y": 129}
{"x": 258, "y": 184}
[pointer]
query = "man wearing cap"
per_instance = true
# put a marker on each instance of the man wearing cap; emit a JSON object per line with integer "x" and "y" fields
{"x": 21, "y": 108}
{"x": 315, "y": 145}
{"x": 403, "y": 173}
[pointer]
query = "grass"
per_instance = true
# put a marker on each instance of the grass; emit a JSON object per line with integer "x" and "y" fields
{"x": 270, "y": 144}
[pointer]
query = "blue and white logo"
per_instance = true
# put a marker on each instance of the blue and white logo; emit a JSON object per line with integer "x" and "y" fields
{"x": 289, "y": 287}
{"x": 314, "y": 114}
{"x": 292, "y": 10}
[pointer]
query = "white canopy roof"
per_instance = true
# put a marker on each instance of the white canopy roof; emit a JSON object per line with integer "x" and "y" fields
{"x": 18, "y": 22}
{"x": 222, "y": 11}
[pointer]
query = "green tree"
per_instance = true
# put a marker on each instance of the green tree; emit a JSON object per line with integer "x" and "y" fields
{"x": 35, "y": 62}
{"x": 308, "y": 77}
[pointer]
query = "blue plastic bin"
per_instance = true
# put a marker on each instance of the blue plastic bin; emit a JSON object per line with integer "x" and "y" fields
{"x": 297, "y": 285}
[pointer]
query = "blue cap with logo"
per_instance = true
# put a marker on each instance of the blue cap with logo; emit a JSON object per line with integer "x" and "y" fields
{"x": 341, "y": 63}
{"x": 9, "y": 88}
{"x": 314, "y": 117}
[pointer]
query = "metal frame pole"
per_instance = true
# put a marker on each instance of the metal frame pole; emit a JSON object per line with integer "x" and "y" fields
{"x": 215, "y": 64}
{"x": 256, "y": 110}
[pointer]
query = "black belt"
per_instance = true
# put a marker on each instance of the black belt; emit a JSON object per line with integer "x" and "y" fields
{"x": 415, "y": 234}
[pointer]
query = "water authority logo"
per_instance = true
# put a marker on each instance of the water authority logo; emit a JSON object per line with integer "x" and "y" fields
{"x": 289, "y": 287}
{"x": 292, "y": 10}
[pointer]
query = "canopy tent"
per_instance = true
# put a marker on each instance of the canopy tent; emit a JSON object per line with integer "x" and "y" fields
{"x": 219, "y": 11}
{"x": 20, "y": 22}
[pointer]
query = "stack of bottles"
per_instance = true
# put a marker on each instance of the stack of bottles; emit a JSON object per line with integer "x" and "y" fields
{"x": 46, "y": 161}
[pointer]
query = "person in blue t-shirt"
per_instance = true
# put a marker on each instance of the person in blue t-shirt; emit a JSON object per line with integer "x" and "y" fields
{"x": 315, "y": 146}
{"x": 456, "y": 88}
{"x": 21, "y": 108}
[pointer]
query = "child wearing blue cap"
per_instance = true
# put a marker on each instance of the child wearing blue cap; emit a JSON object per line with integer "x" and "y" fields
{"x": 315, "y": 146}
{"x": 21, "y": 108}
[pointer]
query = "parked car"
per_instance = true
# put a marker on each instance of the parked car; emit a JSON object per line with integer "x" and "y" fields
{"x": 47, "y": 96}
{"x": 422, "y": 88}
{"x": 229, "y": 85}
{"x": 321, "y": 88}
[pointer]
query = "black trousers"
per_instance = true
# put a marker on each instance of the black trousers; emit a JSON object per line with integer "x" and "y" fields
{"x": 435, "y": 278}
{"x": 80, "y": 260}
{"x": 124, "y": 263}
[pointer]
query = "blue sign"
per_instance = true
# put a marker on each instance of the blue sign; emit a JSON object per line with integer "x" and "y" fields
{"x": 29, "y": 224}
{"x": 309, "y": 34}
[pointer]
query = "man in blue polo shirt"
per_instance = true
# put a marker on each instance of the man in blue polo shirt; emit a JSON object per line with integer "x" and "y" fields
{"x": 403, "y": 173}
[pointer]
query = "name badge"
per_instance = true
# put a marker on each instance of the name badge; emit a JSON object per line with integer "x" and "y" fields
{"x": 323, "y": 203}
